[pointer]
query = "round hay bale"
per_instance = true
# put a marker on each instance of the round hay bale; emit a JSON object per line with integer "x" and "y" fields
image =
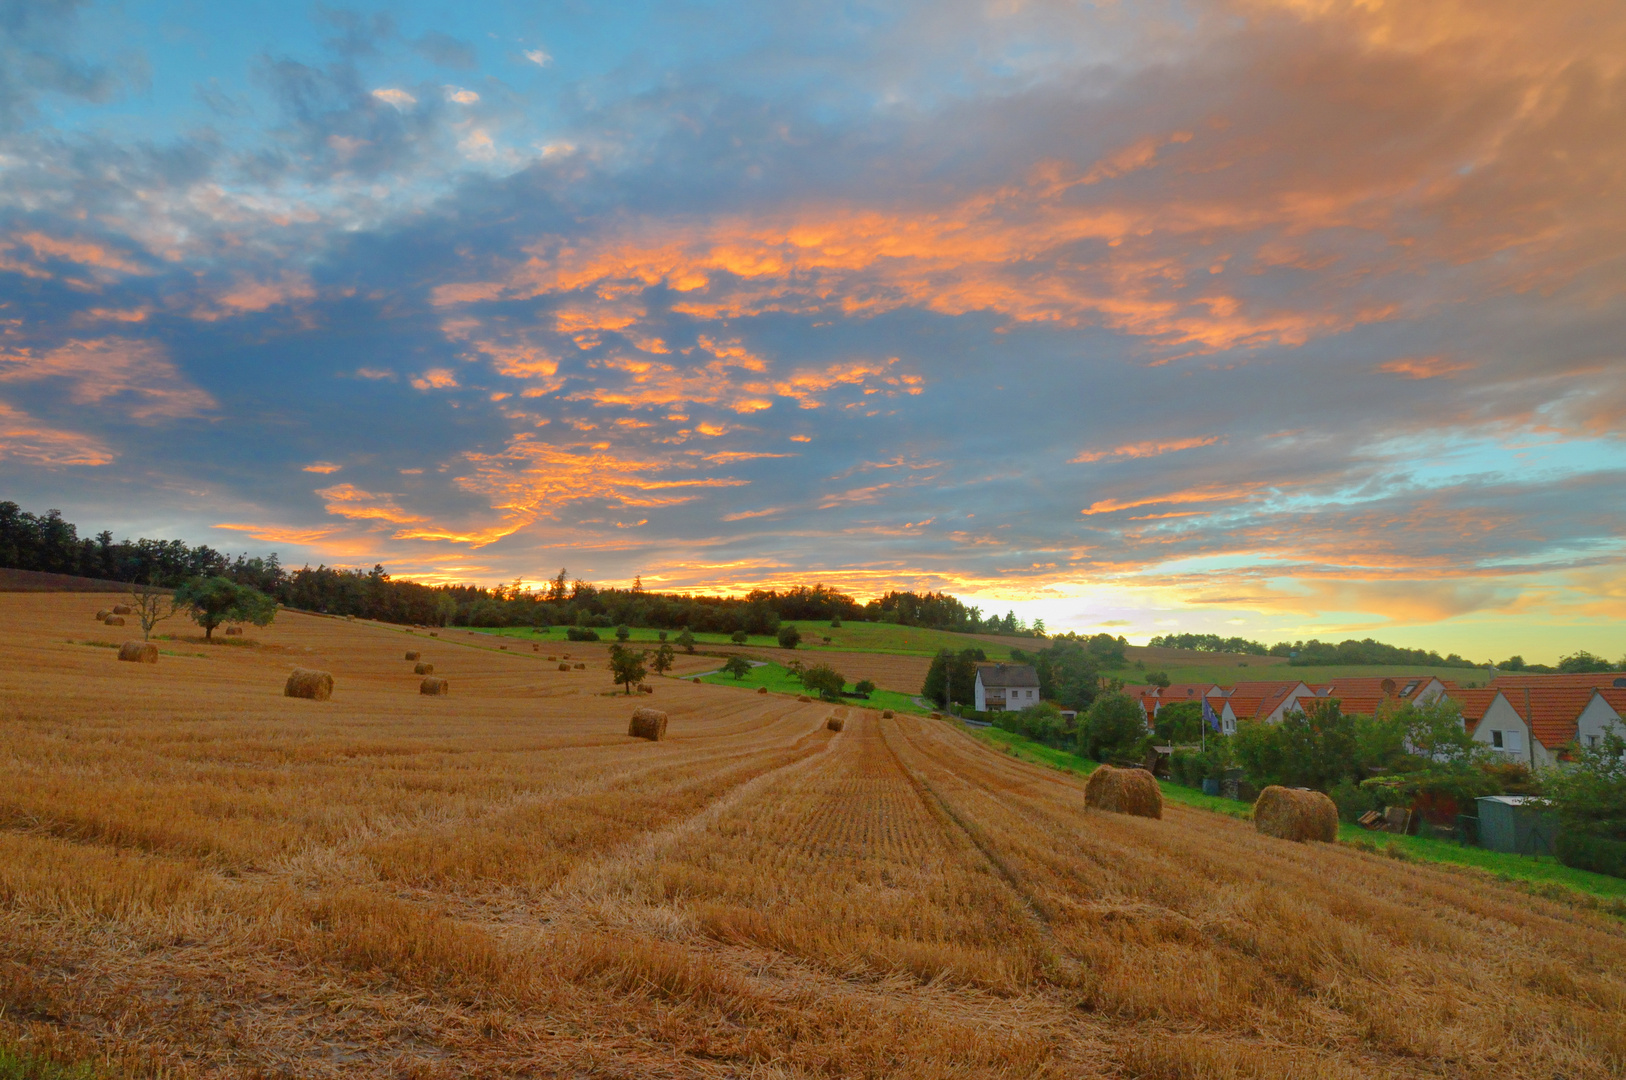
{"x": 1291, "y": 814}
{"x": 581, "y": 667}
{"x": 504, "y": 648}
{"x": 564, "y": 667}
{"x": 835, "y": 723}
{"x": 1124, "y": 791}
{"x": 123, "y": 609}
{"x": 139, "y": 652}
{"x": 413, "y": 655}
{"x": 553, "y": 658}
{"x": 937, "y": 716}
{"x": 648, "y": 724}
{"x": 433, "y": 634}
{"x": 435, "y": 687}
{"x": 695, "y": 680}
{"x": 307, "y": 683}
{"x": 104, "y": 613}
{"x": 645, "y": 688}
{"x": 421, "y": 668}
{"x": 233, "y": 631}
{"x": 803, "y": 697}
{"x": 536, "y": 648}
{"x": 762, "y": 689}
{"x": 114, "y": 620}
{"x": 886, "y": 714}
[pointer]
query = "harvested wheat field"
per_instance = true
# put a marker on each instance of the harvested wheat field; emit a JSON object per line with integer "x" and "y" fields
{"x": 202, "y": 877}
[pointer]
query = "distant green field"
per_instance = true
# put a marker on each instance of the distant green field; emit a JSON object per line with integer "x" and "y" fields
{"x": 778, "y": 681}
{"x": 1228, "y": 674}
{"x": 849, "y": 637}
{"x": 1541, "y": 872}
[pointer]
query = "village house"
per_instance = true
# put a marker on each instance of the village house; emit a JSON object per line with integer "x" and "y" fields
{"x": 1603, "y": 712}
{"x": 1365, "y": 695}
{"x": 1266, "y": 702}
{"x": 1006, "y": 686}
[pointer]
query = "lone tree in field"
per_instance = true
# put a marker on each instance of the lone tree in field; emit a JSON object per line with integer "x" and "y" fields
{"x": 626, "y": 665}
{"x": 663, "y": 659}
{"x": 738, "y": 666}
{"x": 789, "y": 636}
{"x": 825, "y": 680}
{"x": 623, "y": 632}
{"x": 151, "y": 608}
{"x": 686, "y": 640}
{"x": 739, "y": 637}
{"x": 215, "y": 600}
{"x": 864, "y": 687}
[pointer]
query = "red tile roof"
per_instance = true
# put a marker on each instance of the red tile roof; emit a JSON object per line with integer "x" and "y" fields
{"x": 1255, "y": 700}
{"x": 1552, "y": 711}
{"x": 1474, "y": 704}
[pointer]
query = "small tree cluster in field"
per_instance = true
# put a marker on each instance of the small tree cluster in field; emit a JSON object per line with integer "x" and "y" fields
{"x": 953, "y": 676}
{"x": 789, "y": 636}
{"x": 1041, "y": 722}
{"x": 580, "y": 633}
{"x": 215, "y": 600}
{"x": 663, "y": 659}
{"x": 685, "y": 640}
{"x": 825, "y": 681}
{"x": 627, "y": 665}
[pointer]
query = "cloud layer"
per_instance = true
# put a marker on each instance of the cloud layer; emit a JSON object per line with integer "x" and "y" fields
{"x": 1282, "y": 316}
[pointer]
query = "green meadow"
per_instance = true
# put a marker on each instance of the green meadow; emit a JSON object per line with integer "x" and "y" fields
{"x": 778, "y": 679}
{"x": 849, "y": 637}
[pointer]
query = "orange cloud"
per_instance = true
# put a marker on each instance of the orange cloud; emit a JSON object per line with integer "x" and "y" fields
{"x": 1144, "y": 449}
{"x": 23, "y": 438}
{"x": 137, "y": 374}
{"x": 83, "y": 252}
{"x": 347, "y": 500}
{"x": 532, "y": 479}
{"x": 435, "y": 379}
{"x": 321, "y": 467}
{"x": 1425, "y": 367}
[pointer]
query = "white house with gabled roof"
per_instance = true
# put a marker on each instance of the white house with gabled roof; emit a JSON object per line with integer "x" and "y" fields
{"x": 1006, "y": 686}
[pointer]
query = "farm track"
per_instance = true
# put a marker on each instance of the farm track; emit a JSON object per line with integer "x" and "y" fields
{"x": 200, "y": 876}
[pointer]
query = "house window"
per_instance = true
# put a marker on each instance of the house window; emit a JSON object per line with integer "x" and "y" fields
{"x": 1592, "y": 742}
{"x": 1496, "y": 740}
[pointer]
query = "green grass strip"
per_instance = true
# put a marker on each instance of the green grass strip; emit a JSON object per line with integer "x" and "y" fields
{"x": 778, "y": 680}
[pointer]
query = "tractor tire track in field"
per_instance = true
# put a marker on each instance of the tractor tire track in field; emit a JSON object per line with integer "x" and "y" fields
{"x": 945, "y": 811}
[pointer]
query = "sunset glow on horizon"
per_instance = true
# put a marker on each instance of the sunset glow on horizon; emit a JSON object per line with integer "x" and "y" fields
{"x": 1269, "y": 318}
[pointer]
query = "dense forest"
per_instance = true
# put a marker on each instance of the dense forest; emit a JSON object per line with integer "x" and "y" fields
{"x": 49, "y": 543}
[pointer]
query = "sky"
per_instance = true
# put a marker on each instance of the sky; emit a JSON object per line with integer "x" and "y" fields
{"x": 1271, "y": 318}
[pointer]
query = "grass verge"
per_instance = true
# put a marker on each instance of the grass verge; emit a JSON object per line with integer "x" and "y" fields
{"x": 17, "y": 1065}
{"x": 1545, "y": 876}
{"x": 778, "y": 680}
{"x": 884, "y": 638}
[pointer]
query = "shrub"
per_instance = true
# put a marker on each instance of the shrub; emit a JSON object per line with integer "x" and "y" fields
{"x": 835, "y": 623}
{"x": 739, "y": 637}
{"x": 789, "y": 636}
{"x": 580, "y": 633}
{"x": 623, "y": 632}
{"x": 864, "y": 687}
{"x": 1113, "y": 727}
{"x": 1585, "y": 851}
{"x": 1354, "y": 800}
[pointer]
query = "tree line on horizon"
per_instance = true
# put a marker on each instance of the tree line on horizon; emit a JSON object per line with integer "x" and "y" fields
{"x": 1316, "y": 653}
{"x": 47, "y": 542}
